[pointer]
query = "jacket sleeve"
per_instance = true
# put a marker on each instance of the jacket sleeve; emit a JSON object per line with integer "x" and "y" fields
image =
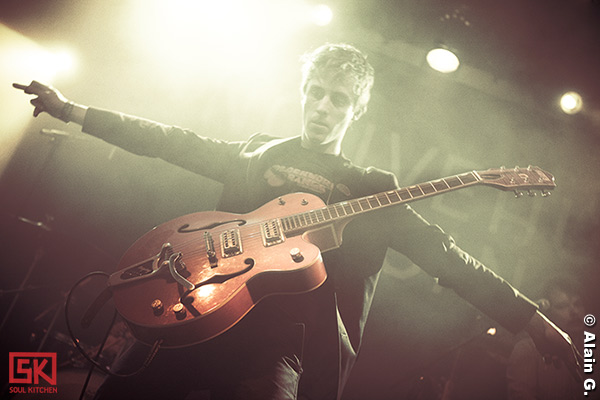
{"x": 436, "y": 252}
{"x": 212, "y": 158}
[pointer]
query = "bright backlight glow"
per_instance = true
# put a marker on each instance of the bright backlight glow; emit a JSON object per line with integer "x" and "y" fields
{"x": 571, "y": 103}
{"x": 50, "y": 64}
{"x": 235, "y": 45}
{"x": 61, "y": 61}
{"x": 322, "y": 15}
{"x": 443, "y": 60}
{"x": 229, "y": 36}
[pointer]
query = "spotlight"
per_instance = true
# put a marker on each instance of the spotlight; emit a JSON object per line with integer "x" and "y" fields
{"x": 322, "y": 15}
{"x": 46, "y": 63}
{"x": 61, "y": 61}
{"x": 571, "y": 102}
{"x": 443, "y": 60}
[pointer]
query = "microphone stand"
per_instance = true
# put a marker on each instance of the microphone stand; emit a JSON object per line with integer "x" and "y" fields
{"x": 42, "y": 229}
{"x": 39, "y": 251}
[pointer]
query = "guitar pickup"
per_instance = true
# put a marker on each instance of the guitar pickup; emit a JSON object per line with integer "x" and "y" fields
{"x": 271, "y": 232}
{"x": 231, "y": 243}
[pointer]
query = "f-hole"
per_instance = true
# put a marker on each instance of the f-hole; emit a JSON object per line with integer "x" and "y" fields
{"x": 186, "y": 227}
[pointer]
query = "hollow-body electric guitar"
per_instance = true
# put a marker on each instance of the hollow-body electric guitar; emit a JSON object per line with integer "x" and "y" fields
{"x": 194, "y": 277}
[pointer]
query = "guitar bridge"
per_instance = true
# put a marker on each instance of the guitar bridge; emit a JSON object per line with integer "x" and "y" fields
{"x": 138, "y": 270}
{"x": 143, "y": 269}
{"x": 231, "y": 243}
{"x": 271, "y": 232}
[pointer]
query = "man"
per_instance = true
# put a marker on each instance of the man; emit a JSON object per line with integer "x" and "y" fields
{"x": 314, "y": 336}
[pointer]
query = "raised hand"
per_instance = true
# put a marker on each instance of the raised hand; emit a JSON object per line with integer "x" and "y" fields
{"x": 48, "y": 100}
{"x": 555, "y": 345}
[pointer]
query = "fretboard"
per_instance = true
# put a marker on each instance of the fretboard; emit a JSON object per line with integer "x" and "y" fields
{"x": 350, "y": 208}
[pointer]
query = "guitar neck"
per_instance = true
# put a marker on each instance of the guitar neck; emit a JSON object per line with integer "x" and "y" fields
{"x": 347, "y": 209}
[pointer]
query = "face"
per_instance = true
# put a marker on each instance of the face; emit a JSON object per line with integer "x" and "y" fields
{"x": 328, "y": 110}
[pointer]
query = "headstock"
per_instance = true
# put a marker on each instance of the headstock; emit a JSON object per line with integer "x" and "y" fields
{"x": 519, "y": 180}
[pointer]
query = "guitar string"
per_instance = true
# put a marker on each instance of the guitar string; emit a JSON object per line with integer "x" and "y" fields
{"x": 355, "y": 205}
{"x": 252, "y": 235}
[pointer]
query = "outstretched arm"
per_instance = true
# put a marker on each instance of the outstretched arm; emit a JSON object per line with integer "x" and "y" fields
{"x": 437, "y": 254}
{"x": 53, "y": 102}
{"x": 212, "y": 158}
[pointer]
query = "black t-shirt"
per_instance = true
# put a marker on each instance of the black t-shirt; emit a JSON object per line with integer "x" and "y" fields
{"x": 289, "y": 168}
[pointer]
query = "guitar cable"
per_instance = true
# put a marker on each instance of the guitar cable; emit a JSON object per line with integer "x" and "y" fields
{"x": 93, "y": 361}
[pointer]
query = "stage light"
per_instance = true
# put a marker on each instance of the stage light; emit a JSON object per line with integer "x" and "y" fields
{"x": 571, "y": 103}
{"x": 22, "y": 60}
{"x": 443, "y": 60}
{"x": 60, "y": 61}
{"x": 491, "y": 331}
{"x": 48, "y": 64}
{"x": 322, "y": 15}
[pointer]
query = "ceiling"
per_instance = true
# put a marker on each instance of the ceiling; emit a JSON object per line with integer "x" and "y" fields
{"x": 549, "y": 46}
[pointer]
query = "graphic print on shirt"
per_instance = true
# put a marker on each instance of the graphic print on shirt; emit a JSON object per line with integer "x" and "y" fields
{"x": 279, "y": 175}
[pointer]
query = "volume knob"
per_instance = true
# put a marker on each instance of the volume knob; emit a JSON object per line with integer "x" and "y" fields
{"x": 157, "y": 306}
{"x": 296, "y": 254}
{"x": 179, "y": 311}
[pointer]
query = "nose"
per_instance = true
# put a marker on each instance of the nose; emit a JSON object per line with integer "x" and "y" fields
{"x": 324, "y": 104}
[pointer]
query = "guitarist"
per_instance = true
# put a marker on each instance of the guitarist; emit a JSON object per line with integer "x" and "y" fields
{"x": 301, "y": 346}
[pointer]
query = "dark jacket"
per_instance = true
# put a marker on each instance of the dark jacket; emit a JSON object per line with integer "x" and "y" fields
{"x": 262, "y": 168}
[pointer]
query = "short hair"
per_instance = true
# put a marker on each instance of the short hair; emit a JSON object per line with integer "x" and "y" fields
{"x": 344, "y": 59}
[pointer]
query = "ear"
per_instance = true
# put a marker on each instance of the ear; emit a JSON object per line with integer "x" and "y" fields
{"x": 359, "y": 112}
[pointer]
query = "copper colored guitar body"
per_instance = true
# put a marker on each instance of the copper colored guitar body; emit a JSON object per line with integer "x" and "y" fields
{"x": 230, "y": 261}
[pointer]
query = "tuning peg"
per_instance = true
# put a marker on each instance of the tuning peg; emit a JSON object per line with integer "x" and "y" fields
{"x": 546, "y": 193}
{"x": 531, "y": 193}
{"x": 518, "y": 194}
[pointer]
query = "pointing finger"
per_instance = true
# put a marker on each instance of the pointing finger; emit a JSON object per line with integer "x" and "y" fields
{"x": 33, "y": 88}
{"x": 19, "y": 86}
